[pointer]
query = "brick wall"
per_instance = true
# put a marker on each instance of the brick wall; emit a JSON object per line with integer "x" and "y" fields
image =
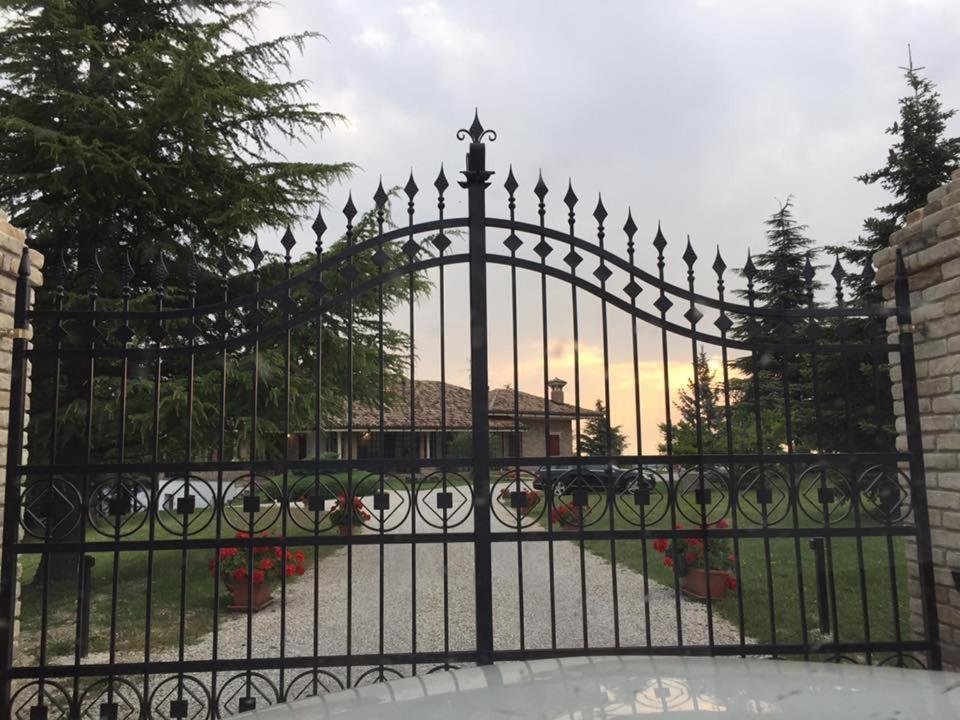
{"x": 11, "y": 249}
{"x": 930, "y": 243}
{"x": 12, "y": 241}
{"x": 534, "y": 444}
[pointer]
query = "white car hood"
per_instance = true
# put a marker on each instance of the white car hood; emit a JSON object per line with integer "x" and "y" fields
{"x": 587, "y": 688}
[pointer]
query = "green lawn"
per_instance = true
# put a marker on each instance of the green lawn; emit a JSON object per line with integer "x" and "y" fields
{"x": 132, "y": 593}
{"x": 166, "y": 590}
{"x": 783, "y": 576}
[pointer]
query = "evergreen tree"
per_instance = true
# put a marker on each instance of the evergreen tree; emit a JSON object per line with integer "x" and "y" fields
{"x": 702, "y": 389}
{"x": 782, "y": 278}
{"x": 596, "y": 433}
{"x": 151, "y": 126}
{"x": 156, "y": 129}
{"x": 921, "y": 159}
{"x": 779, "y": 273}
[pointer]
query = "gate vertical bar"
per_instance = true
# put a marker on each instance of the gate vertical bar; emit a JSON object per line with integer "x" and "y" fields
{"x": 11, "y": 508}
{"x": 918, "y": 489}
{"x": 475, "y": 181}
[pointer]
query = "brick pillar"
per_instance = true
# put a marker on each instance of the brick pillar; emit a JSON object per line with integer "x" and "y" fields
{"x": 12, "y": 241}
{"x": 930, "y": 243}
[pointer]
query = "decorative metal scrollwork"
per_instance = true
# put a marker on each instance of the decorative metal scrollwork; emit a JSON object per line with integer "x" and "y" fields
{"x": 117, "y": 507}
{"x": 444, "y": 500}
{"x": 444, "y": 667}
{"x": 903, "y": 660}
{"x": 245, "y": 692}
{"x": 45, "y": 497}
{"x": 309, "y": 500}
{"x": 180, "y": 696}
{"x": 763, "y": 496}
{"x": 251, "y": 503}
{"x": 476, "y": 131}
{"x": 113, "y": 698}
{"x": 312, "y": 683}
{"x": 824, "y": 494}
{"x": 703, "y": 498}
{"x": 885, "y": 494}
{"x": 588, "y": 489}
{"x": 388, "y": 507}
{"x": 181, "y": 503}
{"x": 40, "y": 699}
{"x": 516, "y": 501}
{"x": 378, "y": 674}
{"x": 643, "y": 497}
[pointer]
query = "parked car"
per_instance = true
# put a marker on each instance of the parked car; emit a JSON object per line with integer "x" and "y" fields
{"x": 563, "y": 479}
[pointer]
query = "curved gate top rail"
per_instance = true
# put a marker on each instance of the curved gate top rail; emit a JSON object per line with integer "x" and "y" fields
{"x": 202, "y": 322}
{"x": 282, "y": 430}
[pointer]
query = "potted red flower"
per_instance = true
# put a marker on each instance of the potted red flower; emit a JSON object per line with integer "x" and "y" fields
{"x": 241, "y": 571}
{"x": 690, "y": 559}
{"x": 530, "y": 500}
{"x": 343, "y": 516}
{"x": 567, "y": 516}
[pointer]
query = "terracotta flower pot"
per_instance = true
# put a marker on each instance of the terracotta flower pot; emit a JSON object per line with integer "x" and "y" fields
{"x": 262, "y": 596}
{"x": 695, "y": 583}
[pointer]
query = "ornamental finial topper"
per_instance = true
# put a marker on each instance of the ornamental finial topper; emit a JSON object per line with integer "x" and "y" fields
{"x": 476, "y": 130}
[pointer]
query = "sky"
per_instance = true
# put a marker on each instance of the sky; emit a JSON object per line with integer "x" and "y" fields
{"x": 701, "y": 115}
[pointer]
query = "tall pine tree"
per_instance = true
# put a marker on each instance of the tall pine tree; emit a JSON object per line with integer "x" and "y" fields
{"x": 596, "y": 433}
{"x": 921, "y": 158}
{"x": 782, "y": 277}
{"x": 144, "y": 127}
{"x": 700, "y": 393}
{"x": 151, "y": 125}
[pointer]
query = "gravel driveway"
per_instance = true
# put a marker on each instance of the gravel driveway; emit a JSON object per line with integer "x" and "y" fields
{"x": 398, "y": 612}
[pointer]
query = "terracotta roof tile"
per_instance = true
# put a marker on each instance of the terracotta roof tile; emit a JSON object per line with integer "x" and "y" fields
{"x": 457, "y": 400}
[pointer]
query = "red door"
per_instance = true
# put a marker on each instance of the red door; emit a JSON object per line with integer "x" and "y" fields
{"x": 553, "y": 447}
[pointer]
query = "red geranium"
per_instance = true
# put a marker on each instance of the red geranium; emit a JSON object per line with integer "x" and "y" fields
{"x": 235, "y": 564}
{"x": 342, "y": 514}
{"x": 567, "y": 514}
{"x": 692, "y": 552}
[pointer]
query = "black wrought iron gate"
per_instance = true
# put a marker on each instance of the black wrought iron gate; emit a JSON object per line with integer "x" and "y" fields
{"x": 278, "y": 437}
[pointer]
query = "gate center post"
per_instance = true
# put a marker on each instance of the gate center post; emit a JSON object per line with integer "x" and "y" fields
{"x": 475, "y": 181}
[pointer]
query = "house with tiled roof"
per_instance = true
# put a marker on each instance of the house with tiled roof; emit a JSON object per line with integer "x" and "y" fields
{"x": 518, "y": 424}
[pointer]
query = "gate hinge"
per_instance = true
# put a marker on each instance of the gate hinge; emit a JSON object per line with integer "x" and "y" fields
{"x": 909, "y": 328}
{"x": 16, "y": 333}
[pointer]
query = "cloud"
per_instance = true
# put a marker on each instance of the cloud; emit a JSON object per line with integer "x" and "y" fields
{"x": 433, "y": 27}
{"x": 374, "y": 38}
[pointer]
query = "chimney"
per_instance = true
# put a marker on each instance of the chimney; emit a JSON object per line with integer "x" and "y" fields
{"x": 556, "y": 389}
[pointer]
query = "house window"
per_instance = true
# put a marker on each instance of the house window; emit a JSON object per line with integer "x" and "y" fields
{"x": 511, "y": 444}
{"x": 331, "y": 443}
{"x": 553, "y": 446}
